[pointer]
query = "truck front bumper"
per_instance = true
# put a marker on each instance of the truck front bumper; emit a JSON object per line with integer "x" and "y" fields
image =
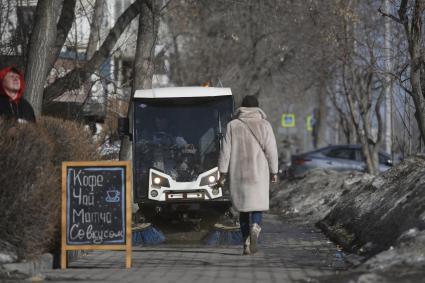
{"x": 163, "y": 188}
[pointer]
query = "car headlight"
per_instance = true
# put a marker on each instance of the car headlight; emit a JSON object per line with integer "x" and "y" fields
{"x": 210, "y": 180}
{"x": 159, "y": 181}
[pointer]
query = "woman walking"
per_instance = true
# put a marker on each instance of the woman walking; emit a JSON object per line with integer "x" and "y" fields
{"x": 249, "y": 159}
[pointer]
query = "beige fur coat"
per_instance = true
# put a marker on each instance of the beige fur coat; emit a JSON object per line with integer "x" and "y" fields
{"x": 247, "y": 165}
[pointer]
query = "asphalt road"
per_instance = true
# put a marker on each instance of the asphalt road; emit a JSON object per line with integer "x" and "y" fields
{"x": 289, "y": 252}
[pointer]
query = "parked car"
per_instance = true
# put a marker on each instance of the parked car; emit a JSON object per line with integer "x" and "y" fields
{"x": 335, "y": 157}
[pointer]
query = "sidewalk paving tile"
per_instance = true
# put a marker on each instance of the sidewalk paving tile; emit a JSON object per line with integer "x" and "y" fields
{"x": 288, "y": 253}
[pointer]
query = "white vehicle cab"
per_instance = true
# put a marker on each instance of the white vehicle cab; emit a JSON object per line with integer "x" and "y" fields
{"x": 176, "y": 135}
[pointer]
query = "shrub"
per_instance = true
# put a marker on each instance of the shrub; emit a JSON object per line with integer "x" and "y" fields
{"x": 72, "y": 141}
{"x": 30, "y": 188}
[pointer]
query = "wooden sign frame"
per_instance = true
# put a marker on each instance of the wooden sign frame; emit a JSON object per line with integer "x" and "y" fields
{"x": 128, "y": 236}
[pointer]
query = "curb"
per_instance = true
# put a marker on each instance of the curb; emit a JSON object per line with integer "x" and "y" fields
{"x": 32, "y": 267}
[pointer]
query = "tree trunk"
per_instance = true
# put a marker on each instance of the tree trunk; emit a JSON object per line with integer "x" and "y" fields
{"x": 64, "y": 25}
{"x": 416, "y": 62}
{"x": 320, "y": 118}
{"x": 417, "y": 94}
{"x": 145, "y": 49}
{"x": 413, "y": 31}
{"x": 42, "y": 41}
{"x": 144, "y": 60}
{"x": 94, "y": 39}
{"x": 370, "y": 148}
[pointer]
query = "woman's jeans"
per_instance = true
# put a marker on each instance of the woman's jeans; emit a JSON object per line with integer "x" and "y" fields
{"x": 256, "y": 217}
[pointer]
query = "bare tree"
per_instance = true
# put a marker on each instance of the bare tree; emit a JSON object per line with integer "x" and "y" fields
{"x": 409, "y": 15}
{"x": 143, "y": 68}
{"x": 77, "y": 76}
{"x": 52, "y": 23}
{"x": 352, "y": 32}
{"x": 362, "y": 79}
{"x": 42, "y": 40}
{"x": 276, "y": 50}
{"x": 364, "y": 106}
{"x": 242, "y": 44}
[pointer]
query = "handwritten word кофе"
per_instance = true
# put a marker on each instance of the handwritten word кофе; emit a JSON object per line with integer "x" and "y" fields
{"x": 91, "y": 181}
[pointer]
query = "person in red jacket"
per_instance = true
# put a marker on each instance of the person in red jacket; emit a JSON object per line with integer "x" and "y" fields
{"x": 12, "y": 105}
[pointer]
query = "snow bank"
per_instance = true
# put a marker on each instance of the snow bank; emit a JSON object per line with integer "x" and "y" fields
{"x": 409, "y": 250}
{"x": 312, "y": 197}
{"x": 382, "y": 217}
{"x": 374, "y": 214}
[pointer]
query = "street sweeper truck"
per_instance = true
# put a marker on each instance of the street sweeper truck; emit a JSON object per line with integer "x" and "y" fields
{"x": 176, "y": 135}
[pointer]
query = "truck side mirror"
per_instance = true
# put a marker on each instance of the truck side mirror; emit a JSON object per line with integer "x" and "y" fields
{"x": 123, "y": 127}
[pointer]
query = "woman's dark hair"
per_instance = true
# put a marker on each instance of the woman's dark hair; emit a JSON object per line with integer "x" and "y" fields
{"x": 250, "y": 101}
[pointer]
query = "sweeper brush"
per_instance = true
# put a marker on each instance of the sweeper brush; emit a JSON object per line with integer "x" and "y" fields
{"x": 223, "y": 235}
{"x": 145, "y": 234}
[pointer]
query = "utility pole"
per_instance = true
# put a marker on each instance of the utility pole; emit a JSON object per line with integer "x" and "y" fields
{"x": 388, "y": 86}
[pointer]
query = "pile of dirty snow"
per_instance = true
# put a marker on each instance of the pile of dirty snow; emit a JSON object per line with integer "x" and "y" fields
{"x": 374, "y": 215}
{"x": 409, "y": 250}
{"x": 403, "y": 262}
{"x": 310, "y": 198}
{"x": 381, "y": 218}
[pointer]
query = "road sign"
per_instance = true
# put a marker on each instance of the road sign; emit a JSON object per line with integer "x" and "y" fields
{"x": 288, "y": 120}
{"x": 309, "y": 123}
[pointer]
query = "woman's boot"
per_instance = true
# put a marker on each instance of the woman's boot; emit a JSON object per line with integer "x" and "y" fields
{"x": 254, "y": 233}
{"x": 246, "y": 247}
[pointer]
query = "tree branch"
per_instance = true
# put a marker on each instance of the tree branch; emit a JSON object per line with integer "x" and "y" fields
{"x": 402, "y": 14}
{"x": 75, "y": 78}
{"x": 379, "y": 117}
{"x": 64, "y": 25}
{"x": 392, "y": 17}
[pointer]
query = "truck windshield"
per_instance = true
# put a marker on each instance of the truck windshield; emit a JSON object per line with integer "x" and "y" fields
{"x": 178, "y": 136}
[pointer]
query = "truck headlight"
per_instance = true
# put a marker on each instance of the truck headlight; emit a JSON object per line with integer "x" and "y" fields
{"x": 210, "y": 179}
{"x": 160, "y": 181}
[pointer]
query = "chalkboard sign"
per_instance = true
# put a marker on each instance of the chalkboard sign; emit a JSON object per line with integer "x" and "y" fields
{"x": 96, "y": 212}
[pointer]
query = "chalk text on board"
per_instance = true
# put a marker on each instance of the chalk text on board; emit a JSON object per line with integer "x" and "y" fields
{"x": 95, "y": 235}
{"x": 83, "y": 217}
{"x": 83, "y": 198}
{"x": 91, "y": 181}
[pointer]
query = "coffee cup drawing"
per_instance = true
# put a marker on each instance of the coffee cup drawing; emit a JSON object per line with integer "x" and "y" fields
{"x": 112, "y": 196}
